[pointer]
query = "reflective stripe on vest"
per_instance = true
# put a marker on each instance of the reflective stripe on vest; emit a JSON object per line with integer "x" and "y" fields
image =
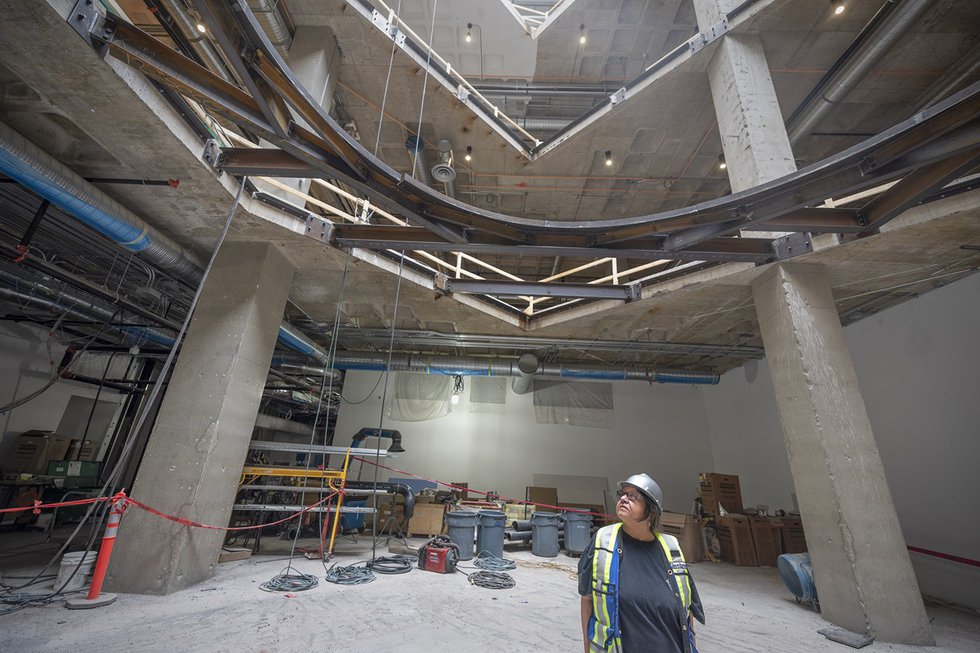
{"x": 604, "y": 629}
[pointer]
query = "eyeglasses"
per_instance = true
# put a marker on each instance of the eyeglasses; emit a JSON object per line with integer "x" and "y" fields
{"x": 629, "y": 494}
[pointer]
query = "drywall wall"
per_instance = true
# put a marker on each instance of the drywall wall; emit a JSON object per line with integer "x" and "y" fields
{"x": 660, "y": 429}
{"x": 25, "y": 366}
{"x": 917, "y": 367}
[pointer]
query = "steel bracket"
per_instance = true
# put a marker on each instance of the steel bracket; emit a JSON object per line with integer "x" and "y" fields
{"x": 618, "y": 96}
{"x": 442, "y": 284}
{"x": 319, "y": 229}
{"x": 792, "y": 245}
{"x": 634, "y": 291}
{"x": 92, "y": 25}
{"x": 212, "y": 154}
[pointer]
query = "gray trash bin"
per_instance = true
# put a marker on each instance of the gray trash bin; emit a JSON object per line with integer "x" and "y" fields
{"x": 461, "y": 527}
{"x": 490, "y": 532}
{"x": 544, "y": 534}
{"x": 578, "y": 527}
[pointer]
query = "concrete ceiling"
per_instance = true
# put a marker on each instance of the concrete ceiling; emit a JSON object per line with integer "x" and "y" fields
{"x": 104, "y": 119}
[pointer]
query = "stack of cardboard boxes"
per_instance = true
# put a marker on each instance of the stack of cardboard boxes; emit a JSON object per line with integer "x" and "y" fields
{"x": 747, "y": 540}
{"x": 42, "y": 453}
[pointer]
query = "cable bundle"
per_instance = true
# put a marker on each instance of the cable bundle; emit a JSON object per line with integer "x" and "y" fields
{"x": 350, "y": 575}
{"x": 395, "y": 564}
{"x": 492, "y": 580}
{"x": 486, "y": 560}
{"x": 290, "y": 583}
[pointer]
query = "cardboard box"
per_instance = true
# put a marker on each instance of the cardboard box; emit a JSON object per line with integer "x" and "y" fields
{"x": 767, "y": 536}
{"x": 32, "y": 450}
{"x": 427, "y": 519}
{"x": 687, "y": 530}
{"x": 735, "y": 536}
{"x": 793, "y": 538}
{"x": 720, "y": 488}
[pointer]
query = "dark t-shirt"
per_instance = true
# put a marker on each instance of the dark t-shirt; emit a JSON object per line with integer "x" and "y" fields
{"x": 649, "y": 613}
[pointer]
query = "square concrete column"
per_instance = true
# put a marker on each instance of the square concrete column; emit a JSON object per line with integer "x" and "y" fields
{"x": 861, "y": 567}
{"x": 195, "y": 453}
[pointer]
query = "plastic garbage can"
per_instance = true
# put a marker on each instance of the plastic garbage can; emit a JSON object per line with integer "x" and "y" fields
{"x": 490, "y": 532}
{"x": 544, "y": 534}
{"x": 578, "y": 531}
{"x": 461, "y": 528}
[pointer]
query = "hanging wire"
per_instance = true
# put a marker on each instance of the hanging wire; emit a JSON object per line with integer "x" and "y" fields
{"x": 384, "y": 98}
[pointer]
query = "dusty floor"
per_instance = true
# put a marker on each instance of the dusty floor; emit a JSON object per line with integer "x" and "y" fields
{"x": 748, "y": 609}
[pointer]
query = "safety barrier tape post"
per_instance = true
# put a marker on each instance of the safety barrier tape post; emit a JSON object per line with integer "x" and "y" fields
{"x": 94, "y": 600}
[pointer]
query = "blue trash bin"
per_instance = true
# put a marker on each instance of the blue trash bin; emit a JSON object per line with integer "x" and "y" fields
{"x": 490, "y": 532}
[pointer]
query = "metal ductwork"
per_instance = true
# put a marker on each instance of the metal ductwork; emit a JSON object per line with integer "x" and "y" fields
{"x": 268, "y": 16}
{"x": 545, "y": 124}
{"x": 527, "y": 366}
{"x": 444, "y": 170}
{"x": 307, "y": 370}
{"x": 199, "y": 42}
{"x": 473, "y": 366}
{"x": 29, "y": 165}
{"x": 26, "y": 163}
{"x": 420, "y": 167}
{"x": 892, "y": 28}
{"x": 367, "y": 432}
{"x": 41, "y": 292}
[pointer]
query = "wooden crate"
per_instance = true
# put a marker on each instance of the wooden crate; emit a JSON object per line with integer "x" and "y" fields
{"x": 793, "y": 538}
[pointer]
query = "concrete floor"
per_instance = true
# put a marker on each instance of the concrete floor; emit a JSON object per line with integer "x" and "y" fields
{"x": 748, "y": 609}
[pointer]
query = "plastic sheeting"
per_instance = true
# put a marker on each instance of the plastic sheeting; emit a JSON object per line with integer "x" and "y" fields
{"x": 488, "y": 395}
{"x": 420, "y": 397}
{"x": 574, "y": 404}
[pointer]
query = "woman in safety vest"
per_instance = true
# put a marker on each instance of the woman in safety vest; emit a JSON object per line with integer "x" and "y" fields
{"x": 637, "y": 594}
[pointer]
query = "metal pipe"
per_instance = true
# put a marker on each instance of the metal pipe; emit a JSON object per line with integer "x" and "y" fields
{"x": 59, "y": 300}
{"x": 473, "y": 366}
{"x": 527, "y": 365}
{"x": 854, "y": 70}
{"x": 25, "y": 162}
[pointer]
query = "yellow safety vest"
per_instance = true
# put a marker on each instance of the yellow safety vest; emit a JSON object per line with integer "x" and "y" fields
{"x": 604, "y": 628}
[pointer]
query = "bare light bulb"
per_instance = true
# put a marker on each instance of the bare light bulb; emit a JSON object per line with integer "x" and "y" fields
{"x": 721, "y": 162}
{"x": 581, "y": 38}
{"x": 454, "y": 400}
{"x": 469, "y": 32}
{"x": 201, "y": 28}
{"x": 608, "y": 157}
{"x": 839, "y": 8}
{"x": 469, "y": 154}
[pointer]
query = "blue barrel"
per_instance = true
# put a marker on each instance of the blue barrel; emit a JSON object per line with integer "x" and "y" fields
{"x": 796, "y": 572}
{"x": 544, "y": 534}
{"x": 461, "y": 528}
{"x": 490, "y": 532}
{"x": 578, "y": 531}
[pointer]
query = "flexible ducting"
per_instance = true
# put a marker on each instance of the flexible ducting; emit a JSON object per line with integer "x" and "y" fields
{"x": 420, "y": 166}
{"x": 472, "y": 366}
{"x": 268, "y": 16}
{"x": 857, "y": 67}
{"x": 26, "y": 163}
{"x": 198, "y": 41}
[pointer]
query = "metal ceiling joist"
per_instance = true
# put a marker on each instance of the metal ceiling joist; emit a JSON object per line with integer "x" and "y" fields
{"x": 627, "y": 292}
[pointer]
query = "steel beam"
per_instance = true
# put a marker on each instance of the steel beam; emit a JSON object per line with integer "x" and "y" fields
{"x": 626, "y": 293}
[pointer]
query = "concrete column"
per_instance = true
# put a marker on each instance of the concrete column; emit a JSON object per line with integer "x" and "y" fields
{"x": 314, "y": 59}
{"x": 195, "y": 454}
{"x": 861, "y": 567}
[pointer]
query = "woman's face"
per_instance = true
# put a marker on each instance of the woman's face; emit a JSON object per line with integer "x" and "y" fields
{"x": 631, "y": 505}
